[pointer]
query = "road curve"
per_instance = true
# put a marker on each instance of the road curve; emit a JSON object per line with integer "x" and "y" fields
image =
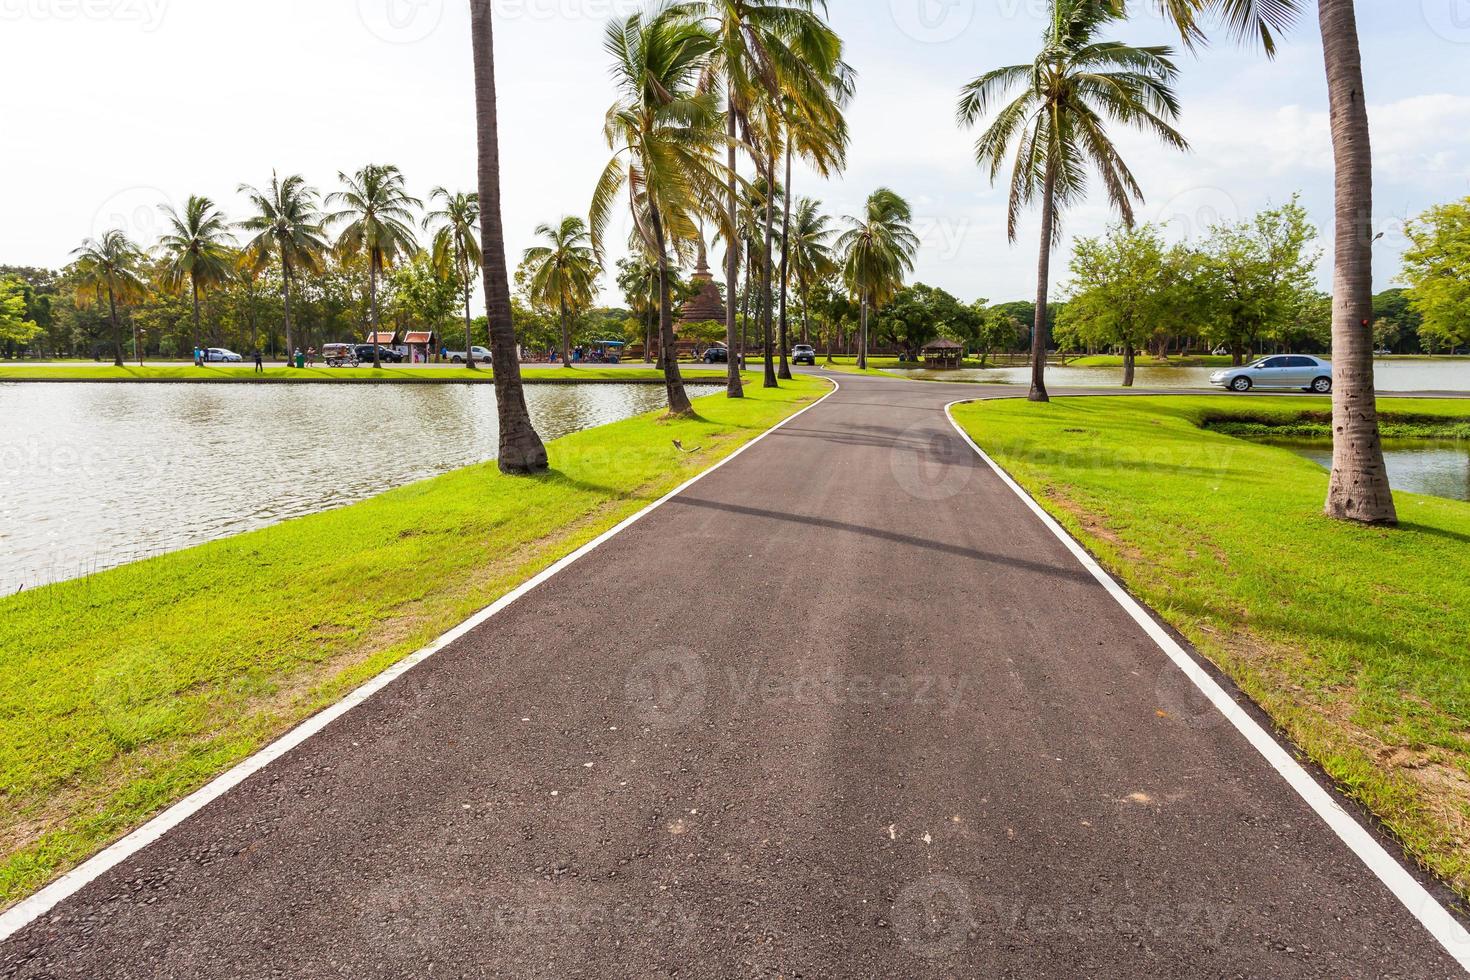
{"x": 843, "y": 708}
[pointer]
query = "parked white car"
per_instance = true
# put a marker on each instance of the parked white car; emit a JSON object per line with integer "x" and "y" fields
{"x": 1278, "y": 371}
{"x": 220, "y": 354}
{"x": 478, "y": 353}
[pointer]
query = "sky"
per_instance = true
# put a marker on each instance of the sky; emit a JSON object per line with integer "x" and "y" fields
{"x": 112, "y": 107}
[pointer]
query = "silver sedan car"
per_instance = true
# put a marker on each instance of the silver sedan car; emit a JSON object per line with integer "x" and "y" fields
{"x": 1278, "y": 371}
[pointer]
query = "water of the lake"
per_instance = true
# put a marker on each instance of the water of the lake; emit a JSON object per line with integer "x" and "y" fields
{"x": 92, "y": 476}
{"x": 1388, "y": 376}
{"x": 1440, "y": 468}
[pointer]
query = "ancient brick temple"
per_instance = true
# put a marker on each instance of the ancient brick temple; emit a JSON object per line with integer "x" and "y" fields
{"x": 705, "y": 304}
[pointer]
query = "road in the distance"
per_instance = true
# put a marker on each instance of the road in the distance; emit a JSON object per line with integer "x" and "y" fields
{"x": 943, "y": 751}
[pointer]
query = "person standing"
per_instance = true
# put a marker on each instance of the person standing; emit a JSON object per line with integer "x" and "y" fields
{"x": 259, "y": 367}
{"x": 197, "y": 361}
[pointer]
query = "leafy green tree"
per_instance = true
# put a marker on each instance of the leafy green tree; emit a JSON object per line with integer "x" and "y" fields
{"x": 15, "y": 327}
{"x": 1437, "y": 270}
{"x": 456, "y": 248}
{"x": 1256, "y": 275}
{"x": 377, "y": 218}
{"x": 421, "y": 295}
{"x": 288, "y": 229}
{"x": 638, "y": 279}
{"x": 877, "y": 250}
{"x": 808, "y": 252}
{"x": 111, "y": 265}
{"x": 1057, "y": 129}
{"x": 563, "y": 274}
{"x": 1000, "y": 328}
{"x": 1395, "y": 319}
{"x": 1125, "y": 287}
{"x": 663, "y": 130}
{"x": 919, "y": 313}
{"x": 199, "y": 249}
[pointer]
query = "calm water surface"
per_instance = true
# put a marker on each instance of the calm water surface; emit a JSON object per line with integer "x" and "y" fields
{"x": 92, "y": 476}
{"x": 1438, "y": 468}
{"x": 1388, "y": 376}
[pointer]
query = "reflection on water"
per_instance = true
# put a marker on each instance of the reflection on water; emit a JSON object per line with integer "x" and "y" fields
{"x": 92, "y": 476}
{"x": 1388, "y": 376}
{"x": 1438, "y": 468}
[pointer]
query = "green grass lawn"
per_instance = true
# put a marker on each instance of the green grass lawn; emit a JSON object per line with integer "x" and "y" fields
{"x": 1356, "y": 640}
{"x": 246, "y": 373}
{"x": 1147, "y": 360}
{"x": 879, "y": 364}
{"x": 123, "y": 692}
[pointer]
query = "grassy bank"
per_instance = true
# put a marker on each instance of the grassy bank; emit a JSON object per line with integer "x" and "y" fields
{"x": 246, "y": 373}
{"x": 1354, "y": 639}
{"x": 1146, "y": 360}
{"x": 123, "y": 692}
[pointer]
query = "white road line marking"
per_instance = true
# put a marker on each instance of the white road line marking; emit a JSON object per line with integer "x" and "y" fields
{"x": 1443, "y": 926}
{"x": 27, "y": 911}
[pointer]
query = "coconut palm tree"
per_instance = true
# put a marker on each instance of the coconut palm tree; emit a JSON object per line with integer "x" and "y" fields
{"x": 110, "y": 265}
{"x": 563, "y": 273}
{"x": 762, "y": 49}
{"x": 521, "y": 449}
{"x": 877, "y": 250}
{"x": 638, "y": 279}
{"x": 808, "y": 255}
{"x": 663, "y": 131}
{"x": 456, "y": 248}
{"x": 288, "y": 229}
{"x": 1057, "y": 125}
{"x": 198, "y": 248}
{"x": 377, "y": 222}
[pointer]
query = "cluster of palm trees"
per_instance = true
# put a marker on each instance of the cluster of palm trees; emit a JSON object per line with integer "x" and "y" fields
{"x": 372, "y": 218}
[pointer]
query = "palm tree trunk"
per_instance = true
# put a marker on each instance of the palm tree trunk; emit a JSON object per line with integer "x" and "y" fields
{"x": 1043, "y": 280}
{"x": 734, "y": 387}
{"x": 469, "y": 332}
{"x": 521, "y": 449}
{"x": 194, "y": 288}
{"x": 286, "y": 306}
{"x": 116, "y": 328}
{"x": 785, "y": 371}
{"x": 373, "y": 307}
{"x": 1358, "y": 489}
{"x": 678, "y": 398}
{"x": 862, "y": 361}
{"x": 766, "y": 295}
{"x": 566, "y": 334}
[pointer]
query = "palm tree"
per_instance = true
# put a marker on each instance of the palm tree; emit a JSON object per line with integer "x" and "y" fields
{"x": 377, "y": 222}
{"x": 110, "y": 264}
{"x": 808, "y": 254}
{"x": 1358, "y": 489}
{"x": 288, "y": 228}
{"x": 877, "y": 250}
{"x": 563, "y": 274}
{"x": 762, "y": 49}
{"x": 638, "y": 279}
{"x": 456, "y": 248}
{"x": 662, "y": 130}
{"x": 521, "y": 449}
{"x": 1058, "y": 127}
{"x": 199, "y": 248}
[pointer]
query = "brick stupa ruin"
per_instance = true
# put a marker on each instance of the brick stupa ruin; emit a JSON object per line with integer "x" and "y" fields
{"x": 707, "y": 303}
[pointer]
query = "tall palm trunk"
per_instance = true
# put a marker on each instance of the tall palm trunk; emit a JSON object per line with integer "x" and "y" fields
{"x": 862, "y": 361}
{"x": 770, "y": 379}
{"x": 734, "y": 387}
{"x": 117, "y": 358}
{"x": 566, "y": 333}
{"x": 469, "y": 332}
{"x": 194, "y": 288}
{"x": 1128, "y": 364}
{"x": 521, "y": 449}
{"x": 1043, "y": 280}
{"x": 678, "y": 398}
{"x": 785, "y": 371}
{"x": 1358, "y": 489}
{"x": 286, "y": 306}
{"x": 373, "y": 306}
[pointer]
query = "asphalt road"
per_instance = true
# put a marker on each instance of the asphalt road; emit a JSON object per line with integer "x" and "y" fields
{"x": 945, "y": 751}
